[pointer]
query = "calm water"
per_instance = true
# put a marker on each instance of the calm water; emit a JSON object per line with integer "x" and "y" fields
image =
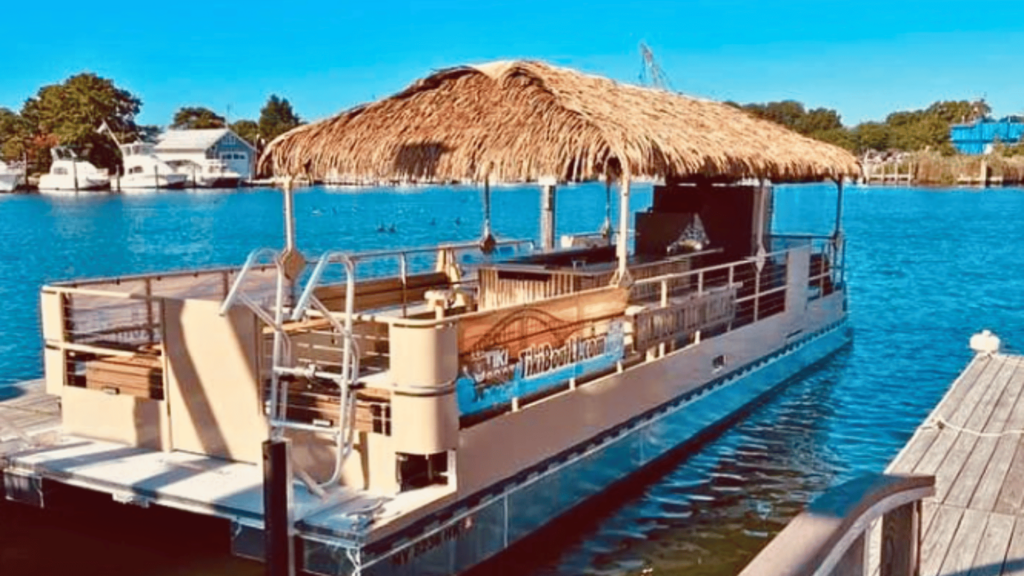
{"x": 927, "y": 269}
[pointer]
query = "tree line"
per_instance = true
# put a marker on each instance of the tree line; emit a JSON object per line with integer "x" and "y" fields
{"x": 71, "y": 113}
{"x": 911, "y": 131}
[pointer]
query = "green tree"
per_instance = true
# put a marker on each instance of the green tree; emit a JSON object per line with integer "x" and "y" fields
{"x": 70, "y": 113}
{"x": 14, "y": 135}
{"x": 871, "y": 136}
{"x": 276, "y": 118}
{"x": 819, "y": 120}
{"x": 197, "y": 118}
{"x": 820, "y": 123}
{"x": 248, "y": 130}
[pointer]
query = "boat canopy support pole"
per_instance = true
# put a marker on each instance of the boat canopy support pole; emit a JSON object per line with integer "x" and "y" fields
{"x": 838, "y": 252}
{"x": 487, "y": 241}
{"x": 606, "y": 227}
{"x": 547, "y": 214}
{"x": 289, "y": 216}
{"x": 839, "y": 208}
{"x": 622, "y": 277}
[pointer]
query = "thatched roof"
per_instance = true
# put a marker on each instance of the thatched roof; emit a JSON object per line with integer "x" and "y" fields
{"x": 522, "y": 120}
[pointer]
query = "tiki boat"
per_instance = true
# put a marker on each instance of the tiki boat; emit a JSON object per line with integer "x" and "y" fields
{"x": 423, "y": 422}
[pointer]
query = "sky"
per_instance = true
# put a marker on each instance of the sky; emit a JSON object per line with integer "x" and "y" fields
{"x": 865, "y": 59}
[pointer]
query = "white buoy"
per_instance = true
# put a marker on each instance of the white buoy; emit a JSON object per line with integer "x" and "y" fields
{"x": 985, "y": 342}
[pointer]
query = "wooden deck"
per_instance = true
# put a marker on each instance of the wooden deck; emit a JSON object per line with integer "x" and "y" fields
{"x": 25, "y": 408}
{"x": 973, "y": 443}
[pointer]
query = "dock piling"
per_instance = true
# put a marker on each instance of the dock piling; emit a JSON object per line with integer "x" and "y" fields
{"x": 277, "y": 508}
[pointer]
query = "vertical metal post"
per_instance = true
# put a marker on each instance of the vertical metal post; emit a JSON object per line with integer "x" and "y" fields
{"x": 757, "y": 293}
{"x": 487, "y": 241}
{"x": 622, "y": 244}
{"x": 289, "y": 215}
{"x": 547, "y": 215}
{"x": 837, "y": 234}
{"x": 487, "y": 207}
{"x": 606, "y": 228}
{"x": 403, "y": 269}
{"x": 839, "y": 208}
{"x": 279, "y": 543}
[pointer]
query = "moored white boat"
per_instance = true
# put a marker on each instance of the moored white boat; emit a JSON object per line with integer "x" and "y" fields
{"x": 143, "y": 170}
{"x": 11, "y": 176}
{"x": 69, "y": 173}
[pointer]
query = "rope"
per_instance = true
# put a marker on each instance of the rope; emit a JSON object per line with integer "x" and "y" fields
{"x": 941, "y": 423}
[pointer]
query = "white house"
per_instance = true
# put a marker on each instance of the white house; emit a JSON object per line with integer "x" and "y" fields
{"x": 209, "y": 144}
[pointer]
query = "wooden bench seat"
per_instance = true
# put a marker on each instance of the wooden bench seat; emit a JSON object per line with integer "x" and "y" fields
{"x": 140, "y": 375}
{"x": 383, "y": 292}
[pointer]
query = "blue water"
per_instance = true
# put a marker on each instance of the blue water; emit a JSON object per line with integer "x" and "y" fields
{"x": 927, "y": 268}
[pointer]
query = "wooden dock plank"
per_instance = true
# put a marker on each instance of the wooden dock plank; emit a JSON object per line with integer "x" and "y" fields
{"x": 997, "y": 472}
{"x": 953, "y": 463}
{"x": 28, "y": 409}
{"x": 923, "y": 438}
{"x": 965, "y": 382}
{"x": 967, "y": 481}
{"x": 1012, "y": 493}
{"x": 958, "y": 416}
{"x": 964, "y": 545}
{"x": 974, "y": 525}
{"x": 988, "y": 561}
{"x": 938, "y": 538}
{"x": 1013, "y": 565}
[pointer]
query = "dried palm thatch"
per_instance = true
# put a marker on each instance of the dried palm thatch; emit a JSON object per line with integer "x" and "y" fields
{"x": 520, "y": 121}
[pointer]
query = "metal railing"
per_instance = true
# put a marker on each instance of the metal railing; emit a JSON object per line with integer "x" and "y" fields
{"x": 759, "y": 285}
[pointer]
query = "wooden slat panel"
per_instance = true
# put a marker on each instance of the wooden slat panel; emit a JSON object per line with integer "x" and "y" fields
{"x": 988, "y": 561}
{"x": 383, "y": 292}
{"x": 140, "y": 376}
{"x": 1012, "y": 493}
{"x": 310, "y": 401}
{"x": 964, "y": 546}
{"x": 1014, "y": 563}
{"x": 937, "y": 540}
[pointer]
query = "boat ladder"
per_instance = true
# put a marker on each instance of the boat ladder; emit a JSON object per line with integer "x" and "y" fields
{"x": 285, "y": 367}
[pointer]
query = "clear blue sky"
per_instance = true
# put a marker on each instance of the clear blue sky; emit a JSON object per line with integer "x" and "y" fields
{"x": 863, "y": 58}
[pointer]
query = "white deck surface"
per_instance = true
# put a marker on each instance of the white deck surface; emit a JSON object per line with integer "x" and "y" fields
{"x": 182, "y": 480}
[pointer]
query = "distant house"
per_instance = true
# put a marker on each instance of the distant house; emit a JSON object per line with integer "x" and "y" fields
{"x": 209, "y": 144}
{"x": 979, "y": 137}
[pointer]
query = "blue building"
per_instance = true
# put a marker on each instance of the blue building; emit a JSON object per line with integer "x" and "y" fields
{"x": 980, "y": 136}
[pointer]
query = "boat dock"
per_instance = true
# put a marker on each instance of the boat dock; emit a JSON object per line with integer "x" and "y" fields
{"x": 973, "y": 444}
{"x": 950, "y": 504}
{"x": 25, "y": 410}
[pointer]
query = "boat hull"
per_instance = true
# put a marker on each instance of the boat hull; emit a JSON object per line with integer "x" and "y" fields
{"x": 10, "y": 182}
{"x": 147, "y": 182}
{"x": 66, "y": 184}
{"x": 225, "y": 182}
{"x": 463, "y": 535}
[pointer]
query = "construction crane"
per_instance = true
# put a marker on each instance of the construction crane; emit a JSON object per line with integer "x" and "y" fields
{"x": 650, "y": 73}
